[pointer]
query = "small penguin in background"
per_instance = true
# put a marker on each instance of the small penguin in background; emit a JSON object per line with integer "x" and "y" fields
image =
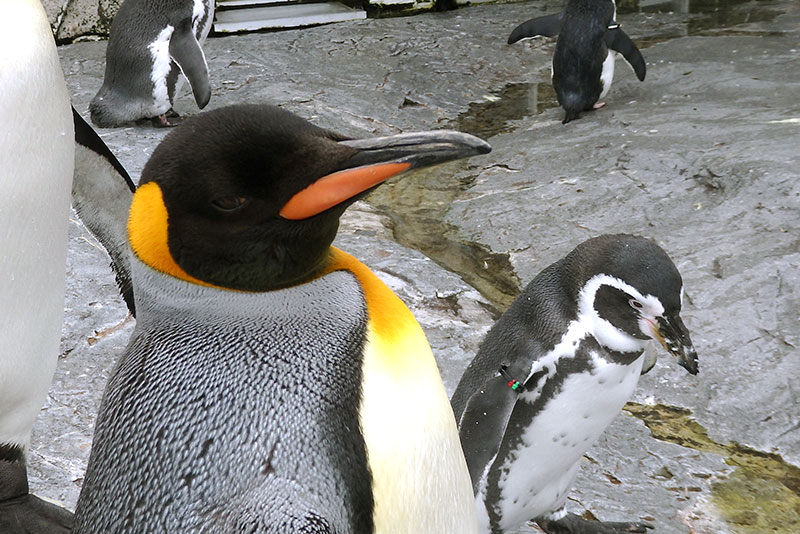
{"x": 272, "y": 383}
{"x": 583, "y": 61}
{"x": 151, "y": 42}
{"x": 555, "y": 370}
{"x": 101, "y": 194}
{"x": 36, "y": 164}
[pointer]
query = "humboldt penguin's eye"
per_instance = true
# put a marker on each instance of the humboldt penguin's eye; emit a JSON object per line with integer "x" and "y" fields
{"x": 229, "y": 203}
{"x": 636, "y": 304}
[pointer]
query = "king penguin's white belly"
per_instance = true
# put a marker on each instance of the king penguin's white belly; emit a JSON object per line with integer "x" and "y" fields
{"x": 540, "y": 473}
{"x": 420, "y": 480}
{"x": 36, "y": 164}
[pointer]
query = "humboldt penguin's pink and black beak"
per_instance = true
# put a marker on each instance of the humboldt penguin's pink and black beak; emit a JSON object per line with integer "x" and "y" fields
{"x": 376, "y": 160}
{"x": 674, "y": 336}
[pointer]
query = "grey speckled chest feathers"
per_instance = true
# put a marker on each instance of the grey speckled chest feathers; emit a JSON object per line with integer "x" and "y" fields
{"x": 555, "y": 370}
{"x": 198, "y": 356}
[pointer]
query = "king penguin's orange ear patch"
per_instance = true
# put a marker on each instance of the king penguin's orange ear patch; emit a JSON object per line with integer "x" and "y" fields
{"x": 148, "y": 222}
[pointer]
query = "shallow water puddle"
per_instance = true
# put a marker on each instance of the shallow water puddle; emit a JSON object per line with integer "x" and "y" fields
{"x": 761, "y": 495}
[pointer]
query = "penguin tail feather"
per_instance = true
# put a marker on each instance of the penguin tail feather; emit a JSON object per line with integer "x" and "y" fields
{"x": 570, "y": 114}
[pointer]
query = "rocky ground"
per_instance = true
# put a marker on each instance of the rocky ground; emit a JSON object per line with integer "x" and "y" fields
{"x": 702, "y": 157}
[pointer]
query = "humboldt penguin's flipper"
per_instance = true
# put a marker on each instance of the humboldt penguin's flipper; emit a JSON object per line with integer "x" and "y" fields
{"x": 548, "y": 26}
{"x": 618, "y": 40}
{"x": 101, "y": 195}
{"x": 185, "y": 50}
{"x": 487, "y": 411}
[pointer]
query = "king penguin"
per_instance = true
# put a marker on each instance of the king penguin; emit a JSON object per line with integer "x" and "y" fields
{"x": 583, "y": 61}
{"x": 272, "y": 383}
{"x": 36, "y": 164}
{"x": 151, "y": 42}
{"x": 555, "y": 370}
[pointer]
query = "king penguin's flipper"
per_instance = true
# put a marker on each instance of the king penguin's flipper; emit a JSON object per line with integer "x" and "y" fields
{"x": 484, "y": 423}
{"x": 548, "y": 26}
{"x": 101, "y": 194}
{"x": 618, "y": 40}
{"x": 187, "y": 53}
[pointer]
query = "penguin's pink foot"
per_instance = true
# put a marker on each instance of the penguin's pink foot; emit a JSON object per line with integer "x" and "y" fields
{"x": 574, "y": 524}
{"x": 599, "y": 105}
{"x": 167, "y": 120}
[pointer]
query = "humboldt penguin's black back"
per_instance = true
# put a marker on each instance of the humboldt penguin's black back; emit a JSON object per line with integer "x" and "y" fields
{"x": 532, "y": 325}
{"x": 201, "y": 356}
{"x": 579, "y": 54}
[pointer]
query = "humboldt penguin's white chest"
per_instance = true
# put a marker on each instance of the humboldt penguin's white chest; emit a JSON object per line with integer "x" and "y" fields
{"x": 537, "y": 476}
{"x": 607, "y": 75}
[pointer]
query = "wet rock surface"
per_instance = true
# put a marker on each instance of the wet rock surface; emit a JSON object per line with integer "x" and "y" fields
{"x": 702, "y": 156}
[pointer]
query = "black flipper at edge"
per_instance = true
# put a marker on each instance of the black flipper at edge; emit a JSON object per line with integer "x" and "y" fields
{"x": 618, "y": 40}
{"x": 87, "y": 137}
{"x": 547, "y": 26}
{"x": 101, "y": 194}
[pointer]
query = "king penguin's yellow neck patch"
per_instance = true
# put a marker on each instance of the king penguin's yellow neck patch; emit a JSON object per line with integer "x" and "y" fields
{"x": 392, "y": 326}
{"x": 148, "y": 221}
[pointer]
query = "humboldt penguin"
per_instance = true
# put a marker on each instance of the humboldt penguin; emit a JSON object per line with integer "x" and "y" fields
{"x": 272, "y": 383}
{"x": 36, "y": 160}
{"x": 555, "y": 370}
{"x": 583, "y": 62}
{"x": 150, "y": 43}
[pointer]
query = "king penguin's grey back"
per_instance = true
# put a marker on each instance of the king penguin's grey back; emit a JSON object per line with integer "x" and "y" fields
{"x": 233, "y": 412}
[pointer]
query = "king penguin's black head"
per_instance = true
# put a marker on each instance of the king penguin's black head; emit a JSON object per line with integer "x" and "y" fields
{"x": 631, "y": 283}
{"x": 249, "y": 197}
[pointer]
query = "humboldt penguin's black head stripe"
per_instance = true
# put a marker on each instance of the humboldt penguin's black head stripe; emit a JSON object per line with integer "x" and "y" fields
{"x": 612, "y": 304}
{"x": 642, "y": 293}
{"x": 259, "y": 181}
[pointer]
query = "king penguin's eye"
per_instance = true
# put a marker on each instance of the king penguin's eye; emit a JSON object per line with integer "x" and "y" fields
{"x": 636, "y": 304}
{"x": 229, "y": 203}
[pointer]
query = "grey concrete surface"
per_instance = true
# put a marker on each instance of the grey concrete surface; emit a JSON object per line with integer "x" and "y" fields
{"x": 702, "y": 156}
